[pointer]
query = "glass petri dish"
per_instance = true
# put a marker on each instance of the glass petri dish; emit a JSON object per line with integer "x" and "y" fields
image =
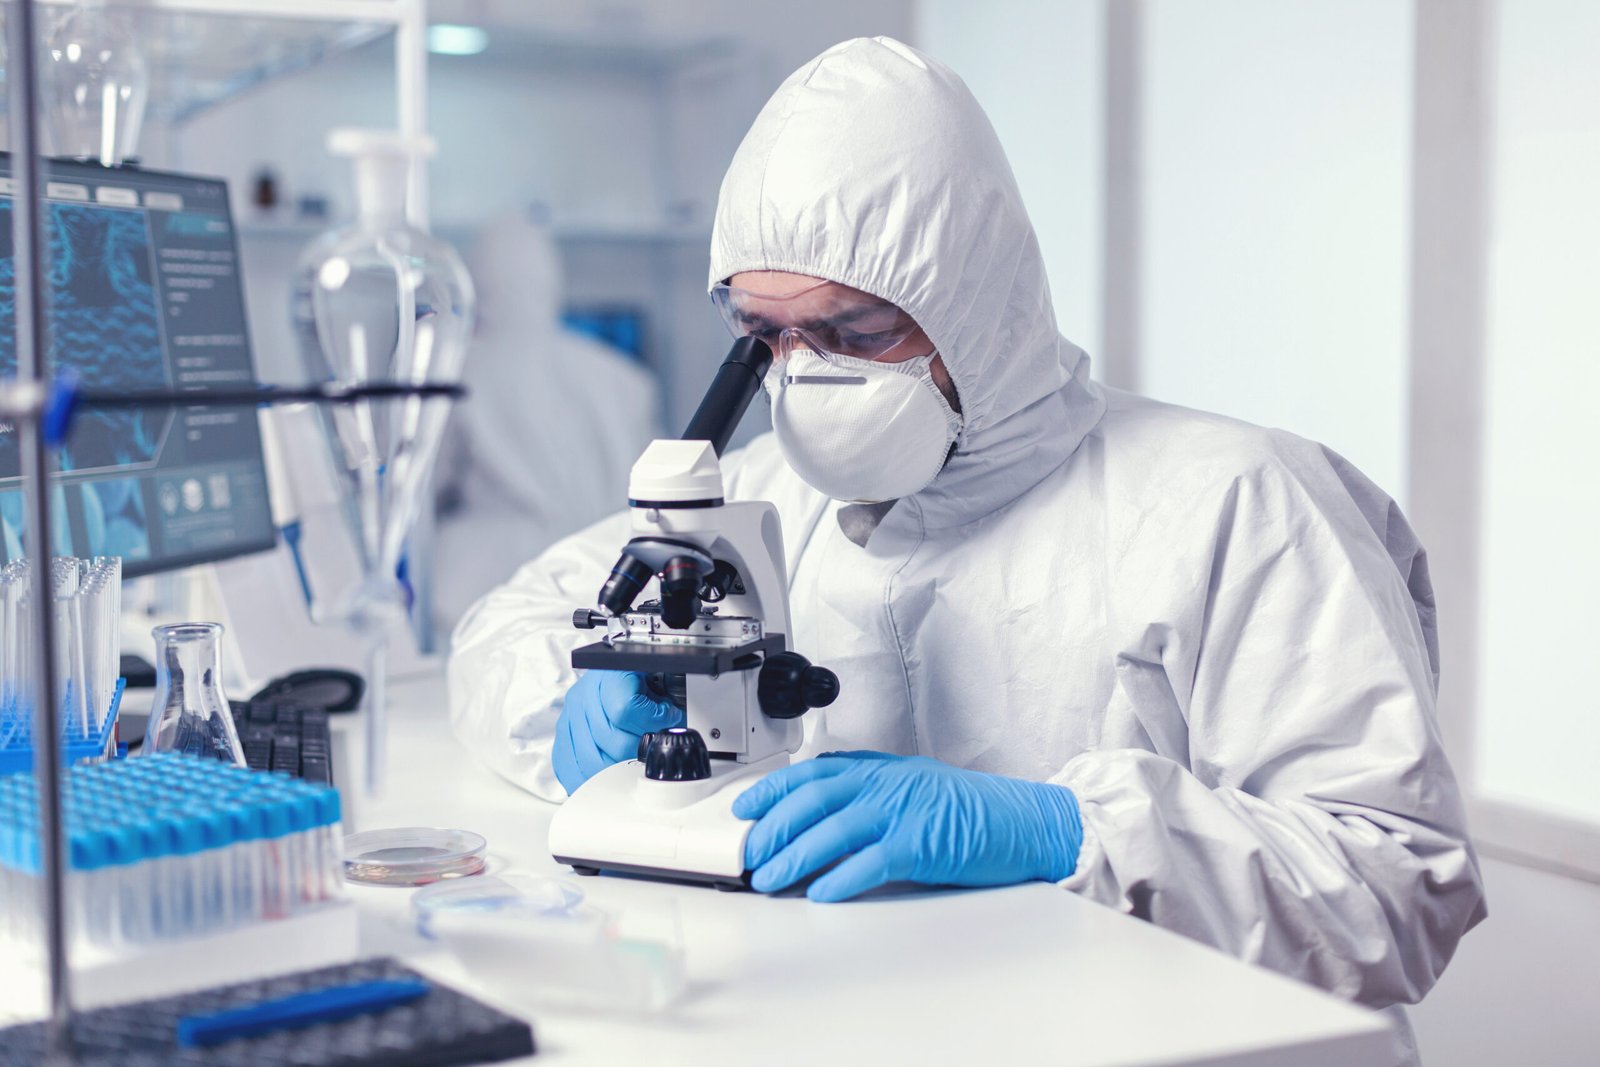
{"x": 537, "y": 943}
{"x": 512, "y": 895}
{"x": 412, "y": 855}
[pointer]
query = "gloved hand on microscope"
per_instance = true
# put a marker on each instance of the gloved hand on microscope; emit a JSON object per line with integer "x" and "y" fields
{"x": 888, "y": 818}
{"x": 603, "y": 716}
{"x": 904, "y": 819}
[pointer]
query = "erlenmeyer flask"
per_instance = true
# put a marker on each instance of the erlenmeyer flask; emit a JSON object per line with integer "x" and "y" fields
{"x": 190, "y": 714}
{"x": 96, "y": 83}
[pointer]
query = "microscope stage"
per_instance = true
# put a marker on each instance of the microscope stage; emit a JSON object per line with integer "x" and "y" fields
{"x": 687, "y": 658}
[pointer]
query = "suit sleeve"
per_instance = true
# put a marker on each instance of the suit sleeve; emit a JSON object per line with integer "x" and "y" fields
{"x": 1316, "y": 827}
{"x": 509, "y": 656}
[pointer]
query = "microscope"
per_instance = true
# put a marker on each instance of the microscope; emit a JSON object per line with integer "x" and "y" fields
{"x": 713, "y": 642}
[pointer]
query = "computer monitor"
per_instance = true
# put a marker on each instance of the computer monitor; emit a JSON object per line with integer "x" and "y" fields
{"x": 144, "y": 293}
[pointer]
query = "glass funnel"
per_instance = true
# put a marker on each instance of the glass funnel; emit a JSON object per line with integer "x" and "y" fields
{"x": 190, "y": 714}
{"x": 379, "y": 300}
{"x": 96, "y": 83}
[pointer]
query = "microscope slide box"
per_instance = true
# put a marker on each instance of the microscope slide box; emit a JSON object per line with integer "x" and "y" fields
{"x": 319, "y": 938}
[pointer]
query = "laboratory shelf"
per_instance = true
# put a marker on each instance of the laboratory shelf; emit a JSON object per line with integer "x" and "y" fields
{"x": 666, "y": 233}
{"x": 580, "y": 231}
{"x": 203, "y": 52}
{"x": 613, "y": 50}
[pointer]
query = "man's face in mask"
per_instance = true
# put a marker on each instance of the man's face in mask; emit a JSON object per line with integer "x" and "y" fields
{"x": 806, "y": 303}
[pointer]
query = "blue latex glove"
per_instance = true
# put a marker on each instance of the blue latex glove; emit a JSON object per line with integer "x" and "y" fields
{"x": 602, "y": 718}
{"x": 904, "y": 819}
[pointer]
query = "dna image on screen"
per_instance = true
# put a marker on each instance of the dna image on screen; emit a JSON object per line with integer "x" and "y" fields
{"x": 104, "y": 324}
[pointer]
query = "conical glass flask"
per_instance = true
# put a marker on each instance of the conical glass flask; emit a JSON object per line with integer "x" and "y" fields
{"x": 95, "y": 83}
{"x": 190, "y": 714}
{"x": 376, "y": 301}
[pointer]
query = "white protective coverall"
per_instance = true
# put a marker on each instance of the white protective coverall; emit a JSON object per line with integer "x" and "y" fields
{"x": 552, "y": 423}
{"x": 1220, "y": 637}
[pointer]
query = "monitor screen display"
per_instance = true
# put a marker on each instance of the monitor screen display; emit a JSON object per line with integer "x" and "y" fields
{"x": 144, "y": 293}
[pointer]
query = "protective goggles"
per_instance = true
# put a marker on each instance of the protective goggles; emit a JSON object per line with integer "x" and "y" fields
{"x": 826, "y": 318}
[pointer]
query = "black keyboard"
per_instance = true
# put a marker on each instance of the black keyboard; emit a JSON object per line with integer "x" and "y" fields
{"x": 290, "y": 738}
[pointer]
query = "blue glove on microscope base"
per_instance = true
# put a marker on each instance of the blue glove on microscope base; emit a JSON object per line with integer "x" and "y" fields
{"x": 602, "y": 718}
{"x": 904, "y": 819}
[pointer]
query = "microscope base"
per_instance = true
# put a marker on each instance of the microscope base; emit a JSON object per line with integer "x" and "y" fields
{"x": 660, "y": 874}
{"x": 620, "y": 821}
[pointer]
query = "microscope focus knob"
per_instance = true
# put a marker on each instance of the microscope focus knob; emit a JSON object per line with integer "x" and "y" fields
{"x": 789, "y": 685}
{"x": 676, "y": 755}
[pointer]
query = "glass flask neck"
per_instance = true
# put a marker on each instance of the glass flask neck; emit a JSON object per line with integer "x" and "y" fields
{"x": 381, "y": 180}
{"x": 189, "y": 655}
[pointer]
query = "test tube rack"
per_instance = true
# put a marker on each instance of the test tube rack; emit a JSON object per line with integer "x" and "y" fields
{"x": 182, "y": 873}
{"x": 77, "y": 744}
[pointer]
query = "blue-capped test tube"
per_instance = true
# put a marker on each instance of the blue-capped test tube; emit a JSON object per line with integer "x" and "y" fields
{"x": 171, "y": 847}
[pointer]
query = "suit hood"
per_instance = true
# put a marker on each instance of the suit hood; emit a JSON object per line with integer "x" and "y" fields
{"x": 874, "y": 166}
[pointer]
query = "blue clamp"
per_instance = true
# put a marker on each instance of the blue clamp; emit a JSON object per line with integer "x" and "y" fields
{"x": 60, "y": 404}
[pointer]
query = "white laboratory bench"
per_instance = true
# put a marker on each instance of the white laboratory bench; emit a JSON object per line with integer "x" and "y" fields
{"x": 1029, "y": 973}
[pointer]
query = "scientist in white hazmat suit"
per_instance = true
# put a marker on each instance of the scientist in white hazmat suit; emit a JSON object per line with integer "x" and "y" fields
{"x": 522, "y": 464}
{"x": 1181, "y": 665}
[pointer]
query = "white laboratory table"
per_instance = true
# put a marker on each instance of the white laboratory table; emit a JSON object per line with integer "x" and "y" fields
{"x": 1028, "y": 973}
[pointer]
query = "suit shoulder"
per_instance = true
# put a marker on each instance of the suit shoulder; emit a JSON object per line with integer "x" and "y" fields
{"x": 1172, "y": 443}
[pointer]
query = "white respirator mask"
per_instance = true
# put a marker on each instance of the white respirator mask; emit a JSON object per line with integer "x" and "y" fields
{"x": 860, "y": 430}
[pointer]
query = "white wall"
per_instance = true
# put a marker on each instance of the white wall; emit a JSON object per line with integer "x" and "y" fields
{"x": 1275, "y": 151}
{"x": 1539, "y": 718}
{"x": 1522, "y": 988}
{"x": 1276, "y": 141}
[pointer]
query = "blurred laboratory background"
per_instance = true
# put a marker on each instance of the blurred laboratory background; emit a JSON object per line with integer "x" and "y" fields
{"x": 1369, "y": 222}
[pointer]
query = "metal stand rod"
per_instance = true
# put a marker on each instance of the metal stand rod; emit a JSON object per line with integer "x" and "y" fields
{"x": 377, "y": 708}
{"x": 30, "y": 279}
{"x": 329, "y": 393}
